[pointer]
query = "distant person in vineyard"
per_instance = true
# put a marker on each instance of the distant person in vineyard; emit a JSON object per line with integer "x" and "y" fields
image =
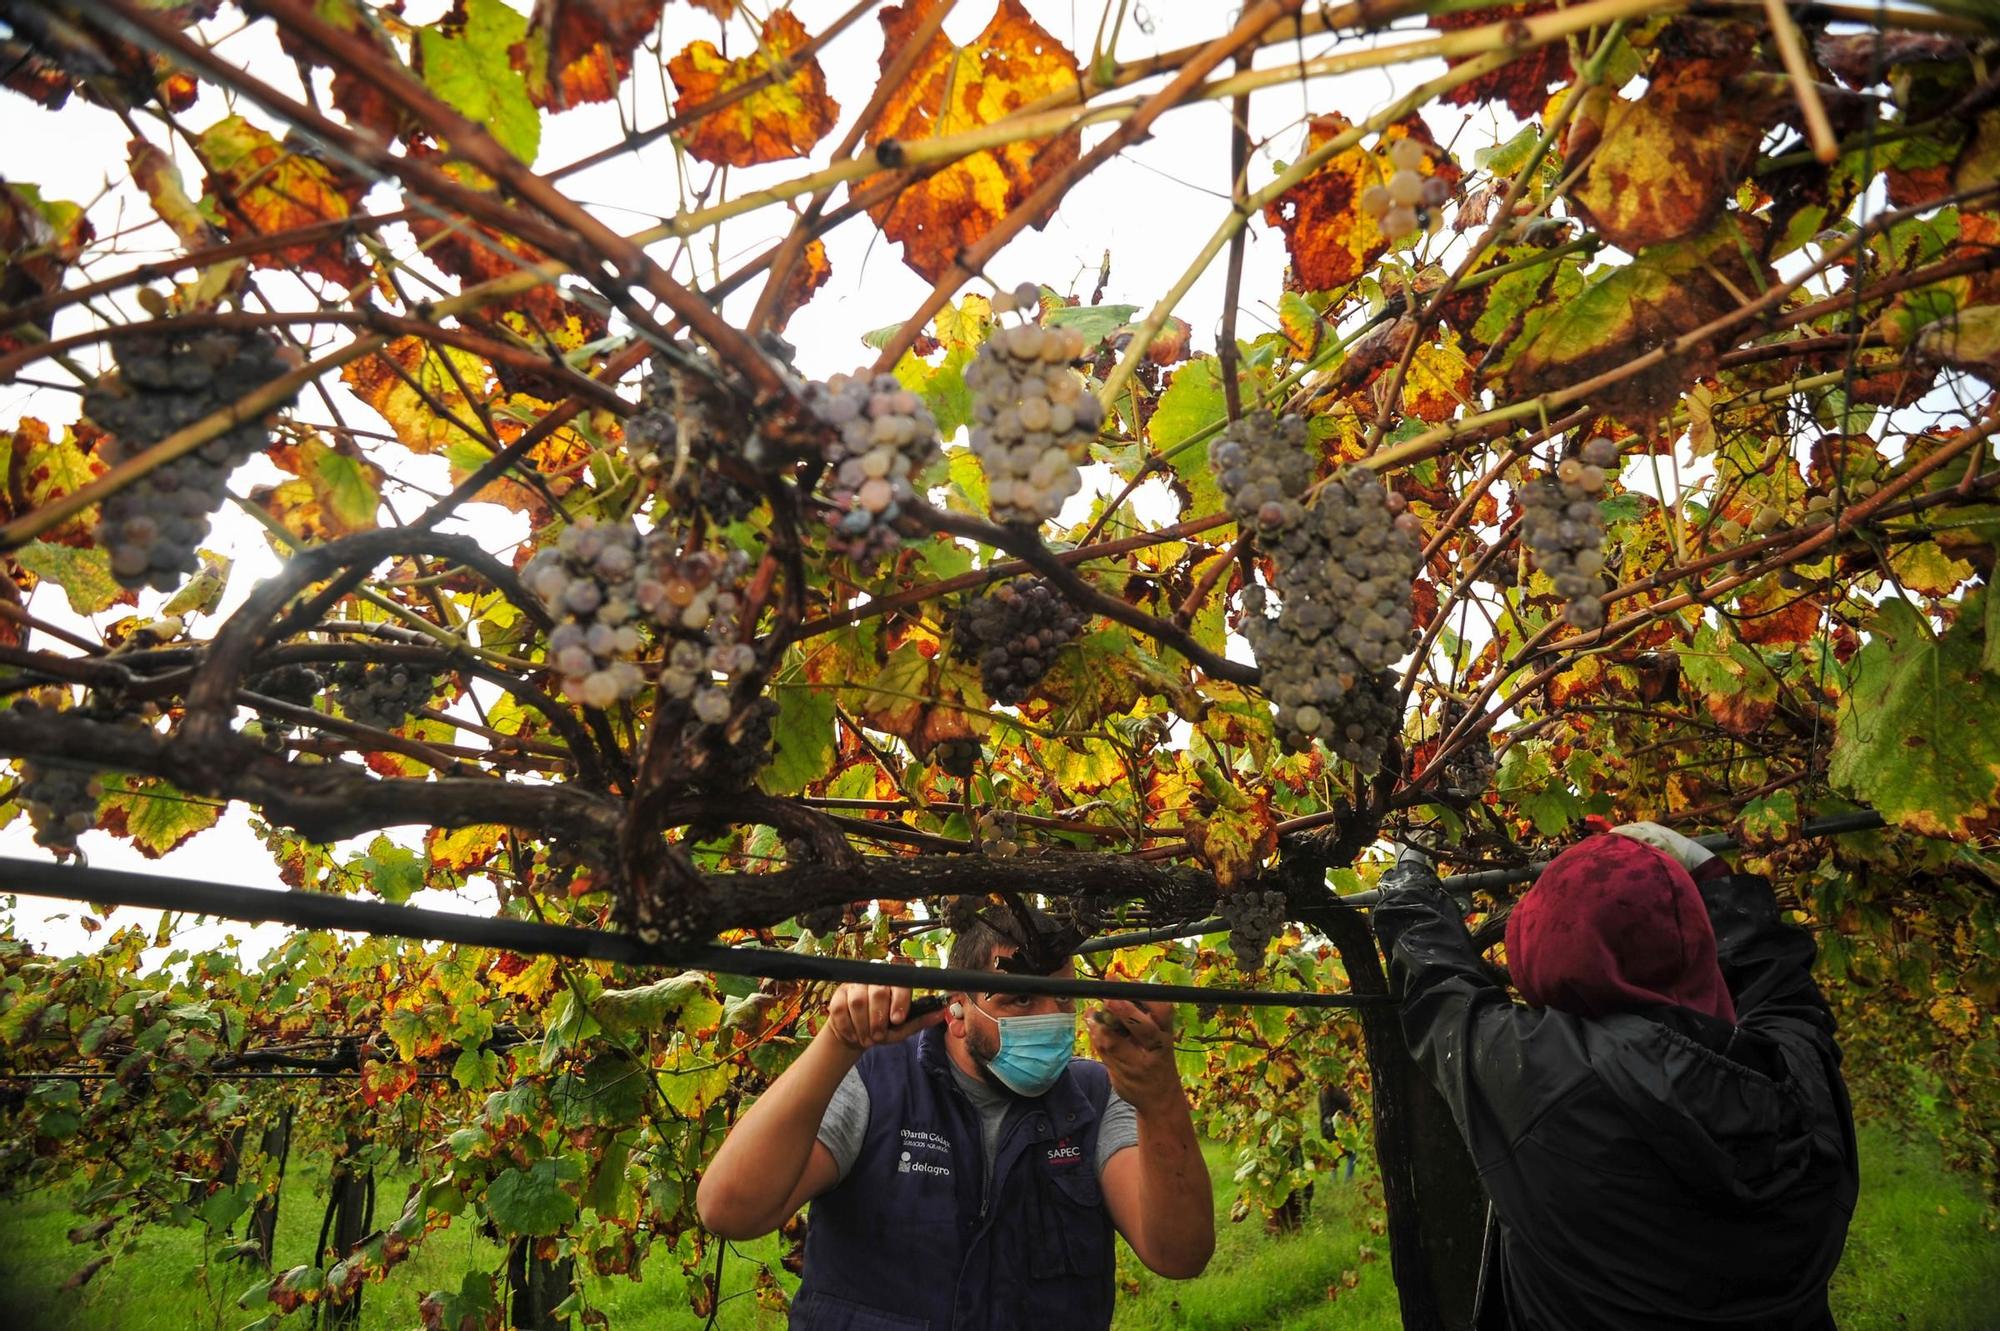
{"x": 970, "y": 1177}
{"x": 1662, "y": 1128}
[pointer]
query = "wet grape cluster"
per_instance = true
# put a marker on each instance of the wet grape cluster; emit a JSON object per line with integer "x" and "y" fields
{"x": 676, "y": 440}
{"x": 1254, "y": 917}
{"x": 1408, "y": 202}
{"x": 1033, "y": 418}
{"x": 1563, "y": 528}
{"x": 1012, "y": 634}
{"x": 884, "y": 438}
{"x": 381, "y": 695}
{"x": 1344, "y": 566}
{"x": 166, "y": 381}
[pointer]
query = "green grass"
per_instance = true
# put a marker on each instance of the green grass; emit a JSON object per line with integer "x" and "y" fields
{"x": 1918, "y": 1259}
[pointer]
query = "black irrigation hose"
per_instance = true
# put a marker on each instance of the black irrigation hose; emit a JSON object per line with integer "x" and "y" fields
{"x": 313, "y": 910}
{"x": 1464, "y": 884}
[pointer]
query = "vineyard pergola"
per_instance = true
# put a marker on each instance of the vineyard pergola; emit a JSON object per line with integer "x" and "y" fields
{"x": 1617, "y": 442}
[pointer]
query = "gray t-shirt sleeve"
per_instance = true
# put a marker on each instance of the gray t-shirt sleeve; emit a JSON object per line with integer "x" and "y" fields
{"x": 845, "y": 1122}
{"x": 1119, "y": 1130}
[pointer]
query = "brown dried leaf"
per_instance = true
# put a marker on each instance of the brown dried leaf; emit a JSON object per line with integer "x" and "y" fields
{"x": 783, "y": 120}
{"x": 363, "y": 104}
{"x": 1521, "y": 85}
{"x": 39, "y": 239}
{"x": 580, "y": 50}
{"x": 808, "y": 275}
{"x": 952, "y": 89}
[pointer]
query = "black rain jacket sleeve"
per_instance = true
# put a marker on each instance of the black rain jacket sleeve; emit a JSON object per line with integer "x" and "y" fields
{"x": 1661, "y": 1169}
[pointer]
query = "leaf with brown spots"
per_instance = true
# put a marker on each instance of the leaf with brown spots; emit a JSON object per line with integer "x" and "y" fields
{"x": 40, "y": 239}
{"x": 1668, "y": 162}
{"x": 1331, "y": 241}
{"x": 1439, "y": 381}
{"x": 1520, "y": 85}
{"x": 782, "y": 120}
{"x": 579, "y": 51}
{"x": 41, "y": 470}
{"x": 1775, "y": 617}
{"x": 953, "y": 89}
{"x": 262, "y": 186}
{"x": 1666, "y": 291}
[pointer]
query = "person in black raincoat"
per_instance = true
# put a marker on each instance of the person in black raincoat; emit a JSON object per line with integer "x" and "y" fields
{"x": 1661, "y": 1127}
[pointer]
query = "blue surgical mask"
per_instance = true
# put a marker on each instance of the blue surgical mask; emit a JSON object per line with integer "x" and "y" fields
{"x": 1033, "y": 1051}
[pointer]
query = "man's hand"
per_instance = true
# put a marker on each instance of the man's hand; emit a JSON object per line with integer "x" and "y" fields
{"x": 1690, "y": 855}
{"x": 864, "y": 1015}
{"x": 1135, "y": 1042}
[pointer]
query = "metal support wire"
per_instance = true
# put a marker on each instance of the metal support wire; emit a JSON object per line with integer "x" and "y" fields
{"x": 313, "y": 910}
{"x": 1465, "y": 884}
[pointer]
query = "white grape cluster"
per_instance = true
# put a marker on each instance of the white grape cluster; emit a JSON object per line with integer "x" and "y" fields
{"x": 164, "y": 383}
{"x": 1255, "y": 917}
{"x": 1563, "y": 528}
{"x": 1344, "y": 567}
{"x": 696, "y": 597}
{"x": 1410, "y": 201}
{"x": 590, "y": 579}
{"x": 1033, "y": 420}
{"x": 884, "y": 438}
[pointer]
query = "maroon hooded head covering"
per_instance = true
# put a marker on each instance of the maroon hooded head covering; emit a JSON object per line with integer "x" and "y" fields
{"x": 1613, "y": 925}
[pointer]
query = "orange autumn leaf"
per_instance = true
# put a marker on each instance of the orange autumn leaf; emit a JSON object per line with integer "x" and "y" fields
{"x": 808, "y": 275}
{"x": 953, "y": 89}
{"x": 365, "y": 105}
{"x": 1330, "y": 239}
{"x": 1521, "y": 84}
{"x": 474, "y": 252}
{"x": 262, "y": 187}
{"x": 784, "y": 119}
{"x": 1775, "y": 617}
{"x": 581, "y": 50}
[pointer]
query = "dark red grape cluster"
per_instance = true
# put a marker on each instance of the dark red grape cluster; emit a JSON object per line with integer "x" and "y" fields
{"x": 1255, "y": 917}
{"x": 1012, "y": 634}
{"x": 166, "y": 381}
{"x": 380, "y": 695}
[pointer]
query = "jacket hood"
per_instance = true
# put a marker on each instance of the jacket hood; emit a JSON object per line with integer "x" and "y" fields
{"x": 1734, "y": 1125}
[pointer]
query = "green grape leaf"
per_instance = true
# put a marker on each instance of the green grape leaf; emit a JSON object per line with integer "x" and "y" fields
{"x": 649, "y": 1007}
{"x": 393, "y": 871}
{"x": 153, "y": 815}
{"x": 1903, "y": 745}
{"x": 534, "y": 1200}
{"x": 83, "y": 574}
{"x": 1193, "y": 402}
{"x": 465, "y": 61}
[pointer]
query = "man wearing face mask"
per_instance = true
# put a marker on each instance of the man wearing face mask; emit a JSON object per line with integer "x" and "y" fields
{"x": 970, "y": 1177}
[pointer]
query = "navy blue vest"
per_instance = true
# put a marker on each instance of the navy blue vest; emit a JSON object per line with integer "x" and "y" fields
{"x": 907, "y": 1241}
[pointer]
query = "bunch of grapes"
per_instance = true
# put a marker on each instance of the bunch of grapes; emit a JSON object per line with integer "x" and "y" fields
{"x": 957, "y": 757}
{"x": 1564, "y": 529}
{"x": 1033, "y": 419}
{"x": 1255, "y": 917}
{"x": 61, "y": 800}
{"x": 382, "y": 696}
{"x": 675, "y": 439}
{"x": 1470, "y": 770}
{"x": 1000, "y": 834}
{"x": 590, "y": 579}
{"x": 1013, "y": 634}
{"x": 1343, "y": 572}
{"x": 168, "y": 380}
{"x": 295, "y": 684}
{"x": 1409, "y": 202}
{"x": 884, "y": 437}
{"x": 961, "y": 912}
{"x": 696, "y": 597}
